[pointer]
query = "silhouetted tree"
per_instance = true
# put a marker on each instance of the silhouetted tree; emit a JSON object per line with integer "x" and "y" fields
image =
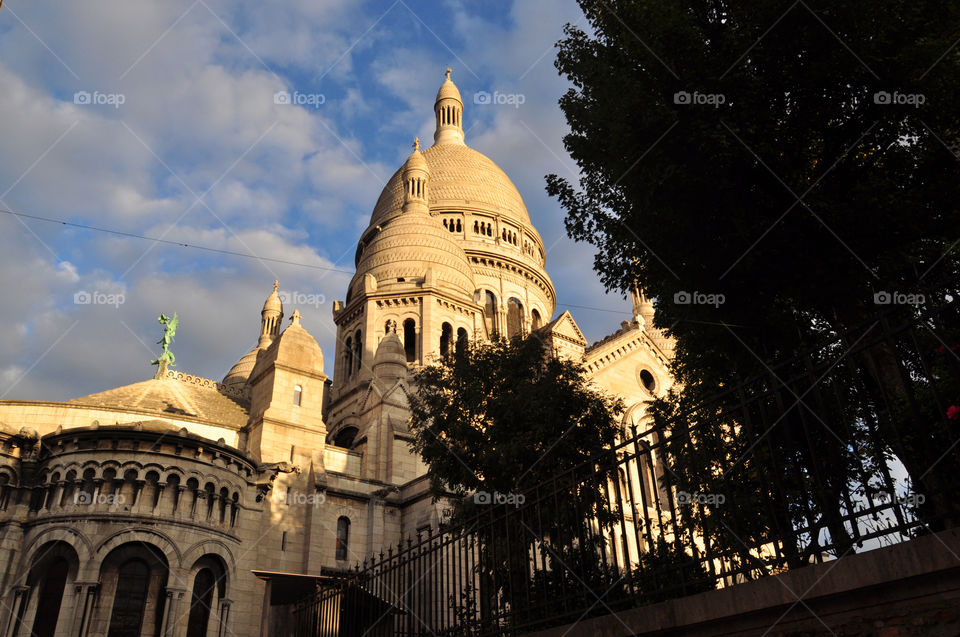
{"x": 763, "y": 170}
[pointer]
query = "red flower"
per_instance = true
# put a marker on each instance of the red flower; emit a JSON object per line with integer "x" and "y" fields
{"x": 953, "y": 412}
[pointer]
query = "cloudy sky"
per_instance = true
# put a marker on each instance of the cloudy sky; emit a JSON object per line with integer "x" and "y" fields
{"x": 159, "y": 119}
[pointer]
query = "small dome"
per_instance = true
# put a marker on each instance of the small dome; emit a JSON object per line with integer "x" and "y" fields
{"x": 273, "y": 302}
{"x": 390, "y": 361}
{"x": 270, "y": 319}
{"x": 415, "y": 161}
{"x": 405, "y": 248}
{"x": 240, "y": 372}
{"x": 449, "y": 90}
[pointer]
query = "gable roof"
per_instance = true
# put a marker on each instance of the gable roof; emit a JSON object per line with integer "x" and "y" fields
{"x": 565, "y": 327}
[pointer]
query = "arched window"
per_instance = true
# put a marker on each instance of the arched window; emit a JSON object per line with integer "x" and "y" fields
{"x": 490, "y": 313}
{"x": 446, "y": 336}
{"x": 200, "y": 603}
{"x": 207, "y": 594}
{"x": 348, "y": 357}
{"x": 357, "y": 350}
{"x": 462, "y": 341}
{"x": 343, "y": 536}
{"x": 133, "y": 581}
{"x": 345, "y": 437}
{"x": 535, "y": 321}
{"x": 410, "y": 339}
{"x": 52, "y": 585}
{"x": 514, "y": 318}
{"x": 297, "y": 394}
{"x": 222, "y": 504}
{"x": 69, "y": 486}
{"x": 208, "y": 493}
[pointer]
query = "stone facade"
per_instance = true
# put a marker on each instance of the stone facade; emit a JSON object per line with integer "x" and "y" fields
{"x": 183, "y": 507}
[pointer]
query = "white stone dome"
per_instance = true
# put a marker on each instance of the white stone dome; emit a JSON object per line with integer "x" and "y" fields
{"x": 460, "y": 178}
{"x": 404, "y": 248}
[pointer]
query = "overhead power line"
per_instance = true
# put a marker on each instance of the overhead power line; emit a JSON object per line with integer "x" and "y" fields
{"x": 133, "y": 235}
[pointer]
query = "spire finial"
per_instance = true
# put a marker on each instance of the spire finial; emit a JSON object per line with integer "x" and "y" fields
{"x": 295, "y": 318}
{"x": 276, "y": 285}
{"x": 449, "y": 71}
{"x": 416, "y": 144}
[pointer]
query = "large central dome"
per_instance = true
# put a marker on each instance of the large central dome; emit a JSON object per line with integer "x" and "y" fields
{"x": 450, "y": 219}
{"x": 460, "y": 178}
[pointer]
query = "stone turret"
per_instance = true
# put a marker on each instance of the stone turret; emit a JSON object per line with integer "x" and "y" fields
{"x": 286, "y": 400}
{"x": 449, "y": 111}
{"x": 271, "y": 317}
{"x": 416, "y": 176}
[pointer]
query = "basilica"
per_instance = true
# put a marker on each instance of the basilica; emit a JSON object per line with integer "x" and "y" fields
{"x": 180, "y": 506}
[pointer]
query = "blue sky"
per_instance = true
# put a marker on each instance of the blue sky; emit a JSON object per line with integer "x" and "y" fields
{"x": 199, "y": 152}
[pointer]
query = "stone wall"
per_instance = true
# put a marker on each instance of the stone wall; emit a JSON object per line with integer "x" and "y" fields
{"x": 911, "y": 589}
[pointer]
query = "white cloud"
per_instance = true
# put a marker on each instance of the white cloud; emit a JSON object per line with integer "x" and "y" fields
{"x": 288, "y": 182}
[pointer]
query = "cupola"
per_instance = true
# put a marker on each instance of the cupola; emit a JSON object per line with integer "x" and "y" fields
{"x": 449, "y": 111}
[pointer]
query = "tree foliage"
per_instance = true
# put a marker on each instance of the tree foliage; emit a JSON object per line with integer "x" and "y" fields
{"x": 508, "y": 420}
{"x": 793, "y": 161}
{"x": 505, "y": 416}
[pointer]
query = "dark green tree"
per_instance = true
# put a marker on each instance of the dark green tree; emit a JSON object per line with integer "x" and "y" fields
{"x": 793, "y": 161}
{"x": 508, "y": 419}
{"x": 505, "y": 416}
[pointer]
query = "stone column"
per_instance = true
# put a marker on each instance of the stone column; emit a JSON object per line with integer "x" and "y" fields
{"x": 170, "y": 612}
{"x": 85, "y": 594}
{"x": 375, "y": 527}
{"x": 158, "y": 496}
{"x": 427, "y": 326}
{"x": 21, "y": 595}
{"x": 223, "y": 628}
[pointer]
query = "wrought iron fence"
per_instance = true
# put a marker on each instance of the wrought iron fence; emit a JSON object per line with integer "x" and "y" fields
{"x": 844, "y": 447}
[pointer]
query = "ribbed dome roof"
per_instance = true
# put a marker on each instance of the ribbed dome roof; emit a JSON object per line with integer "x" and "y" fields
{"x": 459, "y": 176}
{"x": 273, "y": 302}
{"x": 240, "y": 372}
{"x": 406, "y": 247}
{"x": 175, "y": 395}
{"x": 449, "y": 90}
